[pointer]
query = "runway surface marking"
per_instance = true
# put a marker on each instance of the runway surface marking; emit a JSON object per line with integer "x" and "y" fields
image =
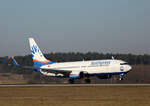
{"x": 72, "y": 85}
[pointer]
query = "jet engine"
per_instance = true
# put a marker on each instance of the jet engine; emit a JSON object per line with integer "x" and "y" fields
{"x": 78, "y": 75}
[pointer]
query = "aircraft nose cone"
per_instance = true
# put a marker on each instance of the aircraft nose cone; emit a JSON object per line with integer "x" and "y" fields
{"x": 129, "y": 68}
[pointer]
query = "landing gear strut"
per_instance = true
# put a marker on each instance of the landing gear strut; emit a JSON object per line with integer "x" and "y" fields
{"x": 71, "y": 81}
{"x": 121, "y": 77}
{"x": 88, "y": 81}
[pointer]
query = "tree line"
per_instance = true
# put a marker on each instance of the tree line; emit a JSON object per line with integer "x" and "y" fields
{"x": 76, "y": 56}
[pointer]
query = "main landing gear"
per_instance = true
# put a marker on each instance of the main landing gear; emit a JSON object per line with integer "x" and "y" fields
{"x": 87, "y": 81}
{"x": 72, "y": 81}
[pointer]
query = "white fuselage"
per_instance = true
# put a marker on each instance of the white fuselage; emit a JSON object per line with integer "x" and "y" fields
{"x": 91, "y": 67}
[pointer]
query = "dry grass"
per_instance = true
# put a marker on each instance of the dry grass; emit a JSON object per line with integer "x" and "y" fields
{"x": 12, "y": 79}
{"x": 75, "y": 96}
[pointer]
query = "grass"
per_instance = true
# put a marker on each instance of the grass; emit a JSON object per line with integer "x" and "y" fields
{"x": 75, "y": 96}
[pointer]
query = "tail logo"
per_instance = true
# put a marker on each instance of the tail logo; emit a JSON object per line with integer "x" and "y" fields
{"x": 35, "y": 49}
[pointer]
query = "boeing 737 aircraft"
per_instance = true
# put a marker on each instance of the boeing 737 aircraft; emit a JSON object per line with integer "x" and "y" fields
{"x": 103, "y": 69}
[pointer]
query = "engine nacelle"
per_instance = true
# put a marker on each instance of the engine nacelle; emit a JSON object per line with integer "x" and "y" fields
{"x": 104, "y": 76}
{"x": 78, "y": 75}
{"x": 74, "y": 75}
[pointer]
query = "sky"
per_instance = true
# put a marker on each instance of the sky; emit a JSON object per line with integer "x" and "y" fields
{"x": 105, "y": 26}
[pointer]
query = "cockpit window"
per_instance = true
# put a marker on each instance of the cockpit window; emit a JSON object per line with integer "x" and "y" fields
{"x": 124, "y": 64}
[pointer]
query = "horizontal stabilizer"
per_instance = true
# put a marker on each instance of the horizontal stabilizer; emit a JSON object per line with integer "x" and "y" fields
{"x": 24, "y": 67}
{"x": 14, "y": 61}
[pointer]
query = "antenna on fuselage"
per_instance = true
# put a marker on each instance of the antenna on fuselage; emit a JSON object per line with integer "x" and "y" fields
{"x": 113, "y": 58}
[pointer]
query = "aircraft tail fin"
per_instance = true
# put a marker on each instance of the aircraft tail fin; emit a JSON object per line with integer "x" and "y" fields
{"x": 37, "y": 55}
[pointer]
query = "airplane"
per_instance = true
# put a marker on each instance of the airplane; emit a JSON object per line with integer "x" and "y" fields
{"x": 103, "y": 69}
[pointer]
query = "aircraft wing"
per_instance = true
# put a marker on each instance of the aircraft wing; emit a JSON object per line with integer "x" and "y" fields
{"x": 64, "y": 72}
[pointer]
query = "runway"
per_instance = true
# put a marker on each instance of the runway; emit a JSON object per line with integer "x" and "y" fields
{"x": 72, "y": 85}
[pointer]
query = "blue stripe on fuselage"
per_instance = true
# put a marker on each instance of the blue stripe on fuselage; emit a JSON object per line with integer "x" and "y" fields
{"x": 96, "y": 74}
{"x": 113, "y": 73}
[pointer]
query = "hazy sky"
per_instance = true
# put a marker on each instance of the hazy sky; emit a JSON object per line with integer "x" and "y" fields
{"x": 108, "y": 26}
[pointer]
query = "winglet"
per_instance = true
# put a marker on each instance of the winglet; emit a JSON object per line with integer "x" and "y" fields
{"x": 14, "y": 61}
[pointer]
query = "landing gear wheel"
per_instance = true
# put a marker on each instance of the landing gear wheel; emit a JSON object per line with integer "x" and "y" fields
{"x": 120, "y": 78}
{"x": 88, "y": 81}
{"x": 71, "y": 81}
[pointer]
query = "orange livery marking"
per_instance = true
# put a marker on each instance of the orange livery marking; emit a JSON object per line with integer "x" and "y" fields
{"x": 46, "y": 61}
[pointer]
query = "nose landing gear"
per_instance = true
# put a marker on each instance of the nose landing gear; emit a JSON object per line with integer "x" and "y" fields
{"x": 121, "y": 77}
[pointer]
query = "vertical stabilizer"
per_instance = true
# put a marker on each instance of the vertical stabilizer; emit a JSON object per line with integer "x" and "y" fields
{"x": 37, "y": 55}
